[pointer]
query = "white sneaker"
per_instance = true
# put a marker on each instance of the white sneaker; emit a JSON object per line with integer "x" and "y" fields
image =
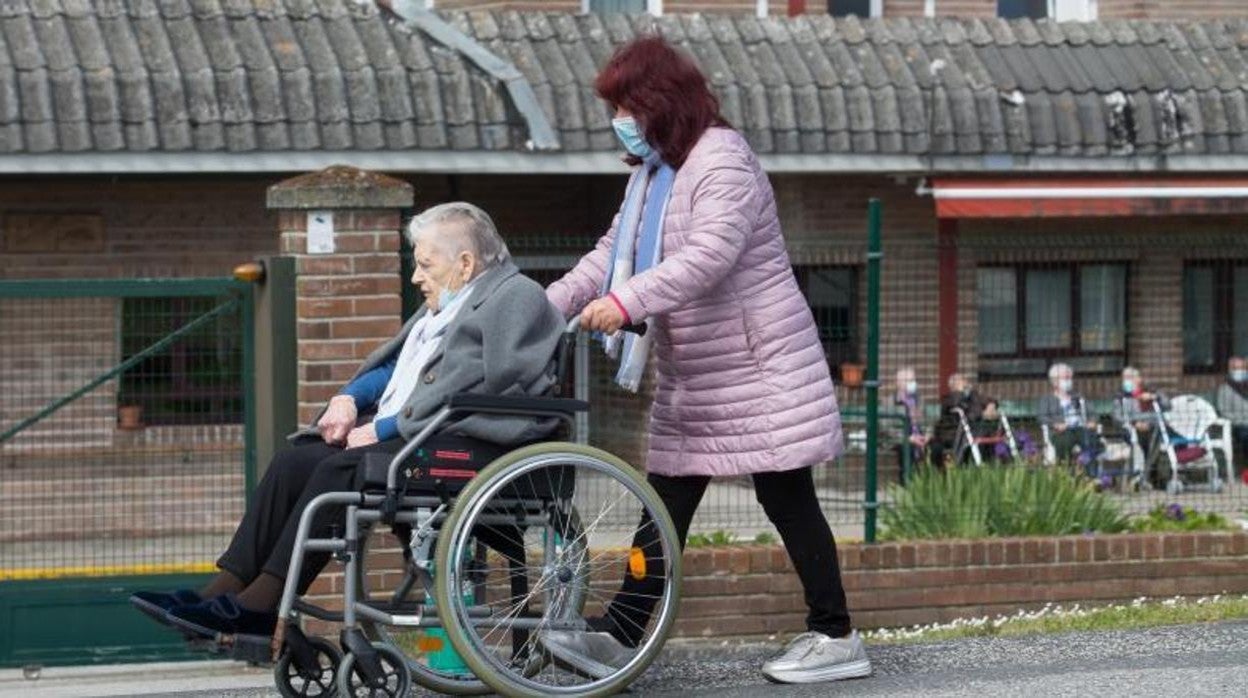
{"x": 812, "y": 657}
{"x": 597, "y": 655}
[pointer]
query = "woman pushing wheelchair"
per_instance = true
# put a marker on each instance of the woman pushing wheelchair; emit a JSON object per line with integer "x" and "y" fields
{"x": 697, "y": 254}
{"x": 484, "y": 328}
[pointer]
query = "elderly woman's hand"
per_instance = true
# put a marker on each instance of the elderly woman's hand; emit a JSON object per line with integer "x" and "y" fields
{"x": 362, "y": 436}
{"x": 338, "y": 420}
{"x": 602, "y": 315}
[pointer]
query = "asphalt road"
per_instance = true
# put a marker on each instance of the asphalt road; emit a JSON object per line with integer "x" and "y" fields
{"x": 1187, "y": 661}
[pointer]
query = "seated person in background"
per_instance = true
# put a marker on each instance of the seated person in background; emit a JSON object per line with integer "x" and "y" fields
{"x": 1133, "y": 409}
{"x": 484, "y": 328}
{"x": 1232, "y": 403}
{"x": 907, "y": 398}
{"x": 1065, "y": 413}
{"x": 981, "y": 413}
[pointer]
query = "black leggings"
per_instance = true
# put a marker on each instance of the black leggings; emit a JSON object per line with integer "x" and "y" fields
{"x": 788, "y": 498}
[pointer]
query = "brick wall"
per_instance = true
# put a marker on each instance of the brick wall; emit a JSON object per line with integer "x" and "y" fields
{"x": 204, "y": 226}
{"x": 742, "y": 591}
{"x": 349, "y": 302}
{"x": 1154, "y": 257}
{"x": 151, "y": 226}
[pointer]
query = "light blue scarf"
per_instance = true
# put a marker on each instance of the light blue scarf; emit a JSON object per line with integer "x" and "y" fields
{"x": 638, "y": 247}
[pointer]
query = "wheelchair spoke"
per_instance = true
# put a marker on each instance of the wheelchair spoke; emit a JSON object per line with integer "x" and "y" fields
{"x": 563, "y": 530}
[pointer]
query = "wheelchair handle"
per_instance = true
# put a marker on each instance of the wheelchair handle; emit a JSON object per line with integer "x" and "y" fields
{"x": 638, "y": 328}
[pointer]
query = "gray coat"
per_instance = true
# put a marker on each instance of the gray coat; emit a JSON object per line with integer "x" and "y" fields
{"x": 1050, "y": 411}
{"x": 503, "y": 343}
{"x": 1232, "y": 405}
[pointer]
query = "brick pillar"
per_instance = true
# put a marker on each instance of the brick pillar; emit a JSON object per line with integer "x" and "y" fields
{"x": 347, "y": 289}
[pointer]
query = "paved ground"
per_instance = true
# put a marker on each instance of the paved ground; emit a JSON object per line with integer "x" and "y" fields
{"x": 1199, "y": 660}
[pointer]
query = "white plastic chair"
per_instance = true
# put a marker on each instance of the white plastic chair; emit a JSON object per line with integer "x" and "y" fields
{"x": 1193, "y": 418}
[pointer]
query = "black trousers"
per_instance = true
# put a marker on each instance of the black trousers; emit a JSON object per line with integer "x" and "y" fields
{"x": 789, "y": 499}
{"x": 265, "y": 538}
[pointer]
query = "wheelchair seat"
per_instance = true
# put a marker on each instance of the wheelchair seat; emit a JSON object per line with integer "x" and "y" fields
{"x": 447, "y": 463}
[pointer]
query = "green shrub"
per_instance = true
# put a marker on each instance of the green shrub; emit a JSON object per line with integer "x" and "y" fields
{"x": 1176, "y": 517}
{"x": 714, "y": 538}
{"x": 997, "y": 501}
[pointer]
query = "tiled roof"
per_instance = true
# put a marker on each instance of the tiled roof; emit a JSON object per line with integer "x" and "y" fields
{"x": 238, "y": 76}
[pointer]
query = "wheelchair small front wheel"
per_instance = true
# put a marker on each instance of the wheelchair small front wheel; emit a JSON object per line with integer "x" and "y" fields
{"x": 566, "y": 525}
{"x": 294, "y": 681}
{"x": 394, "y": 682}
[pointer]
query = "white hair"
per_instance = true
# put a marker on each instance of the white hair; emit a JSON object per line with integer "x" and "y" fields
{"x": 1131, "y": 371}
{"x": 475, "y": 233}
{"x": 1058, "y": 369}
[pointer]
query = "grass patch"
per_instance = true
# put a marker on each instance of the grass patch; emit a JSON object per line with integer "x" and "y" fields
{"x": 721, "y": 537}
{"x": 1176, "y": 517}
{"x": 1141, "y": 613}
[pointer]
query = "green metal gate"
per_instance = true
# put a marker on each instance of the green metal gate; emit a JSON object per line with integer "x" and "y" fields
{"x": 127, "y": 448}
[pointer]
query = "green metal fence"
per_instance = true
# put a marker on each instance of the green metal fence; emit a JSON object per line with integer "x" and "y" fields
{"x": 1000, "y": 302}
{"x": 127, "y": 449}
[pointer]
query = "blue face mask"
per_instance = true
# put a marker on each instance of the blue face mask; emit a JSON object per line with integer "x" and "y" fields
{"x": 445, "y": 297}
{"x": 629, "y": 133}
{"x": 1128, "y": 386}
{"x": 1239, "y": 376}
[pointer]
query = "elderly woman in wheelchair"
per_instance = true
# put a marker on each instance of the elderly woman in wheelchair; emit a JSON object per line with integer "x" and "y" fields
{"x": 406, "y": 444}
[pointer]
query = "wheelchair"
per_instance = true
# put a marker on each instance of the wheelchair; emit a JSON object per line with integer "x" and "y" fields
{"x": 536, "y": 540}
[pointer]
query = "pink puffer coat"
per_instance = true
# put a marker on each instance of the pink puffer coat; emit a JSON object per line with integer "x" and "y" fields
{"x": 743, "y": 385}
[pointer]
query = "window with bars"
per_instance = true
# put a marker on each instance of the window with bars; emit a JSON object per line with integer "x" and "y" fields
{"x": 1018, "y": 9}
{"x": 1215, "y": 314}
{"x": 1031, "y": 316}
{"x": 832, "y": 293}
{"x": 1059, "y": 10}
{"x": 604, "y": 7}
{"x": 858, "y": 8}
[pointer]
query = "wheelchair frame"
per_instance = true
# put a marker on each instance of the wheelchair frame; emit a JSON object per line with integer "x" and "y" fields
{"x": 298, "y": 656}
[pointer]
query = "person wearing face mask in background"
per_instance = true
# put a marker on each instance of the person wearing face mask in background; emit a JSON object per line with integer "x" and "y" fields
{"x": 1064, "y": 411}
{"x": 981, "y": 412}
{"x": 484, "y": 328}
{"x": 1232, "y": 403}
{"x": 743, "y": 386}
{"x": 907, "y": 398}
{"x": 1133, "y": 409}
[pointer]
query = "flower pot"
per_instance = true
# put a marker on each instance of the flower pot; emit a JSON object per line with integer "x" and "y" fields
{"x": 851, "y": 375}
{"x": 130, "y": 417}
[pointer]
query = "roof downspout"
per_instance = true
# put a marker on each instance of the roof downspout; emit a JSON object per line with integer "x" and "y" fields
{"x": 541, "y": 133}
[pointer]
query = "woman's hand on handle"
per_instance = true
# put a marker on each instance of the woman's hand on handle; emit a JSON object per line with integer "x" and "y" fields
{"x": 338, "y": 420}
{"x": 603, "y": 315}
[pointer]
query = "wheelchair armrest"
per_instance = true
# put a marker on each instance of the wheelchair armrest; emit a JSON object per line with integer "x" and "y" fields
{"x": 521, "y": 405}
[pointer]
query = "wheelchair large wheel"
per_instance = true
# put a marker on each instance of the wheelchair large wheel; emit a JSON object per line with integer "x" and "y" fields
{"x": 424, "y": 647}
{"x": 536, "y": 498}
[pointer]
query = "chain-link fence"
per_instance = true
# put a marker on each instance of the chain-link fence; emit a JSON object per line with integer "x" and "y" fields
{"x": 123, "y": 442}
{"x": 1166, "y": 297}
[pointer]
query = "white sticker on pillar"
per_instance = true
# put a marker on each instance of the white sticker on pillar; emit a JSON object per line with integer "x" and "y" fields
{"x": 320, "y": 232}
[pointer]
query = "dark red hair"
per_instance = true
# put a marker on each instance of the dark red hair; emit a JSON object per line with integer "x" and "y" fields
{"x": 665, "y": 91}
